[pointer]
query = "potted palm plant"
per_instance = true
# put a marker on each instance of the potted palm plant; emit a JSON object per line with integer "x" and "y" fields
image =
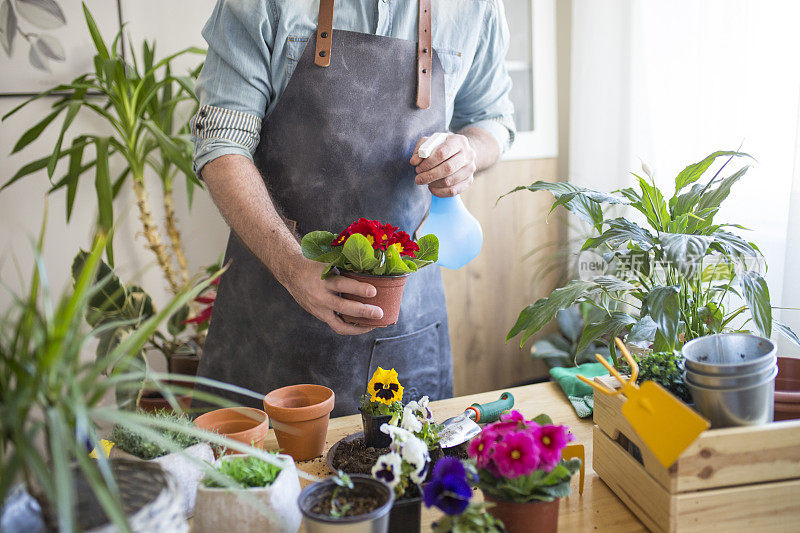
{"x": 521, "y": 472}
{"x": 374, "y": 253}
{"x": 183, "y": 459}
{"x": 249, "y": 494}
{"x": 53, "y": 397}
{"x": 342, "y": 502}
{"x": 669, "y": 280}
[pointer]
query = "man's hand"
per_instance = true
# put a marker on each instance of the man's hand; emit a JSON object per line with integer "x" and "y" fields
{"x": 451, "y": 167}
{"x": 320, "y": 297}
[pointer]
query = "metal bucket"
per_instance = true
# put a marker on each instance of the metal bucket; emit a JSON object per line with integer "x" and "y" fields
{"x": 743, "y": 406}
{"x": 735, "y": 381}
{"x": 728, "y": 354}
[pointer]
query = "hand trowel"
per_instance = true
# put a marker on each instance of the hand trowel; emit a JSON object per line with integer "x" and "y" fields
{"x": 665, "y": 424}
{"x": 461, "y": 428}
{"x": 459, "y": 233}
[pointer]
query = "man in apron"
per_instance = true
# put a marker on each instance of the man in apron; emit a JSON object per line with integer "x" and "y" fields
{"x": 310, "y": 118}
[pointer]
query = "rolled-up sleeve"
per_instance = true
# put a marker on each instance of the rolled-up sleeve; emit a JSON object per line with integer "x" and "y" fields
{"x": 234, "y": 86}
{"x": 483, "y": 99}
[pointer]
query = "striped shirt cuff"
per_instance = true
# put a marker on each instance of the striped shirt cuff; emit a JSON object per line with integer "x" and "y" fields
{"x": 217, "y": 123}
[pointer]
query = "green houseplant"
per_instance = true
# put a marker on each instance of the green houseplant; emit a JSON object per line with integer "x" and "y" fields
{"x": 249, "y": 494}
{"x": 668, "y": 280}
{"x": 374, "y": 253}
{"x": 138, "y": 101}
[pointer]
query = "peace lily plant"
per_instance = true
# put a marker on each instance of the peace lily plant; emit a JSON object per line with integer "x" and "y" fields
{"x": 669, "y": 279}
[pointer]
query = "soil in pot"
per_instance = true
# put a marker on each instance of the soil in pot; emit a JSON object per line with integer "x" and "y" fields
{"x": 373, "y": 436}
{"x": 300, "y": 415}
{"x": 389, "y": 297}
{"x": 244, "y": 424}
{"x": 406, "y": 513}
{"x": 355, "y": 457}
{"x": 533, "y": 517}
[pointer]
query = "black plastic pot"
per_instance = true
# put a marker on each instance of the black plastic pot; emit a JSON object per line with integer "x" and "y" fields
{"x": 406, "y": 516}
{"x": 373, "y": 436}
{"x": 376, "y": 521}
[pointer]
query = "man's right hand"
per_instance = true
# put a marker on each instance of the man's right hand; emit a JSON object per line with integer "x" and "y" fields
{"x": 320, "y": 297}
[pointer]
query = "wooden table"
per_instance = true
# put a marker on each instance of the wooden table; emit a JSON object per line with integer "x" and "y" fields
{"x": 597, "y": 509}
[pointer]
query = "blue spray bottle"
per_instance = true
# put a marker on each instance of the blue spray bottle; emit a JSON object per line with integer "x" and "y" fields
{"x": 459, "y": 233}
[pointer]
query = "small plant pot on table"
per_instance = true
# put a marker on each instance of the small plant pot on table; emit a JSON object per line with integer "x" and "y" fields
{"x": 243, "y": 424}
{"x": 330, "y": 507}
{"x": 300, "y": 415}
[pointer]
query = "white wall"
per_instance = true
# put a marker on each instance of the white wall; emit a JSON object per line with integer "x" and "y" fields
{"x": 173, "y": 24}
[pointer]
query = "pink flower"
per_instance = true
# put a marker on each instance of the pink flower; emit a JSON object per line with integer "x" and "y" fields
{"x": 516, "y": 455}
{"x": 512, "y": 416}
{"x": 551, "y": 440}
{"x": 480, "y": 449}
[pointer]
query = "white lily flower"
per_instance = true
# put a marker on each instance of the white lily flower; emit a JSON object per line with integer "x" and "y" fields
{"x": 410, "y": 421}
{"x": 388, "y": 469}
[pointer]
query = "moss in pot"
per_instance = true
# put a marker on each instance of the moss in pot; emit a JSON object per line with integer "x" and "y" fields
{"x": 374, "y": 253}
{"x": 249, "y": 494}
{"x": 344, "y": 501}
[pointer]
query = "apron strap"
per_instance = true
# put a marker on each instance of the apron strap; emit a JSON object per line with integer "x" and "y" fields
{"x": 322, "y": 55}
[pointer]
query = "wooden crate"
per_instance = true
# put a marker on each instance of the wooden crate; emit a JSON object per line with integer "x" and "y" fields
{"x": 732, "y": 479}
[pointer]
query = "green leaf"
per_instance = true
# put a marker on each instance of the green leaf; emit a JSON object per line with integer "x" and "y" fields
{"x": 534, "y": 317}
{"x": 108, "y": 296}
{"x": 33, "y": 133}
{"x": 360, "y": 254}
{"x": 102, "y": 185}
{"x": 614, "y": 324}
{"x": 644, "y": 330}
{"x": 72, "y": 111}
{"x": 717, "y": 272}
{"x": 652, "y": 206}
{"x": 693, "y": 172}
{"x": 756, "y": 293}
{"x": 318, "y": 244}
{"x": 37, "y": 165}
{"x": 685, "y": 252}
{"x": 428, "y": 248}
{"x": 663, "y": 305}
{"x": 713, "y": 198}
{"x": 175, "y": 325}
{"x": 621, "y": 231}
{"x": 74, "y": 173}
{"x": 99, "y": 44}
{"x": 395, "y": 265}
{"x": 786, "y": 331}
{"x": 732, "y": 245}
{"x": 543, "y": 420}
{"x": 546, "y": 348}
{"x": 613, "y": 283}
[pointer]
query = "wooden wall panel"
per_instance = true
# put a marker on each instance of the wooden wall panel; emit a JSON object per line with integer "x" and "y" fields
{"x": 485, "y": 297}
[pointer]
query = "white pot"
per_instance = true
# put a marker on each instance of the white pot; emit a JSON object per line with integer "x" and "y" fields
{"x": 253, "y": 510}
{"x": 187, "y": 471}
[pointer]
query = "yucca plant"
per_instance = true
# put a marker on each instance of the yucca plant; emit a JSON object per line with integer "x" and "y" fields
{"x": 52, "y": 395}
{"x": 665, "y": 282}
{"x": 138, "y": 100}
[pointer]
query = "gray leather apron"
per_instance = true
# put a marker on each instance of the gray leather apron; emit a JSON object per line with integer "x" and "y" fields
{"x": 334, "y": 149}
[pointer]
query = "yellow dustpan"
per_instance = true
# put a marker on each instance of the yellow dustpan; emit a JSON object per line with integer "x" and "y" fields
{"x": 665, "y": 424}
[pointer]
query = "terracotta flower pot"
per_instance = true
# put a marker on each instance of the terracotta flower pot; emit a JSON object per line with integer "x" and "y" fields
{"x": 373, "y": 436}
{"x": 153, "y": 400}
{"x": 787, "y": 389}
{"x": 251, "y": 510}
{"x": 300, "y": 415}
{"x": 389, "y": 297}
{"x": 244, "y": 424}
{"x": 533, "y": 517}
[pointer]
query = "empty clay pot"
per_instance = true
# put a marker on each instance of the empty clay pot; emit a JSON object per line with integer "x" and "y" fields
{"x": 389, "y": 297}
{"x": 533, "y": 517}
{"x": 244, "y": 424}
{"x": 300, "y": 415}
{"x": 787, "y": 389}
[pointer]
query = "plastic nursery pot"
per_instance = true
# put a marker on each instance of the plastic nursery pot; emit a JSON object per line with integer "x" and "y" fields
{"x": 373, "y": 436}
{"x": 787, "y": 389}
{"x": 533, "y": 517}
{"x": 244, "y": 424}
{"x": 406, "y": 516}
{"x": 251, "y": 510}
{"x": 153, "y": 400}
{"x": 389, "y": 297}
{"x": 374, "y": 521}
{"x": 300, "y": 415}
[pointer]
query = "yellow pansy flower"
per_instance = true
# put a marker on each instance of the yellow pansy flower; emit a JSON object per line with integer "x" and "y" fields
{"x": 106, "y": 446}
{"x": 384, "y": 387}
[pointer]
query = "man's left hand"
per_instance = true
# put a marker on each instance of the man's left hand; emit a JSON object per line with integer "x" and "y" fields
{"x": 450, "y": 168}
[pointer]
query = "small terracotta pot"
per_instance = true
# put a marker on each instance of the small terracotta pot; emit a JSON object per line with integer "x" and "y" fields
{"x": 153, "y": 400}
{"x": 787, "y": 389}
{"x": 300, "y": 415}
{"x": 533, "y": 517}
{"x": 244, "y": 424}
{"x": 373, "y": 436}
{"x": 389, "y": 297}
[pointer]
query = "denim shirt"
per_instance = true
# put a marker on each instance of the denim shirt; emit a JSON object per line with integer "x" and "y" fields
{"x": 254, "y": 46}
